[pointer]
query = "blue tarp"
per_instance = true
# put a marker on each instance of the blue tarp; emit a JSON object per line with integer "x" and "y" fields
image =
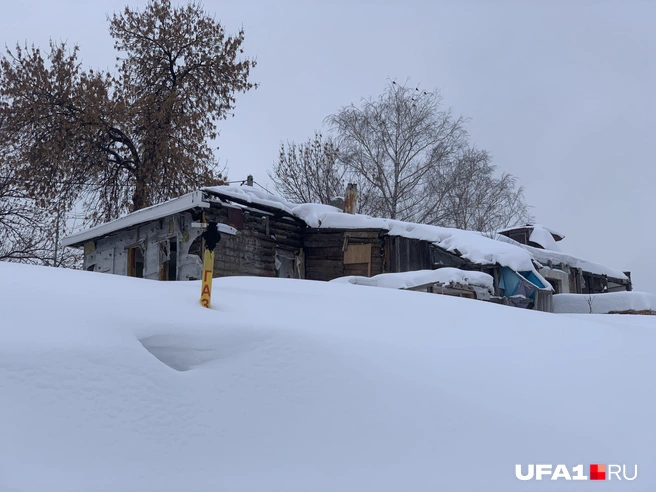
{"x": 533, "y": 278}
{"x": 519, "y": 284}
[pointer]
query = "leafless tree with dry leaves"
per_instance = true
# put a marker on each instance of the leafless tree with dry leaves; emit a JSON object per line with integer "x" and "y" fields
{"x": 125, "y": 140}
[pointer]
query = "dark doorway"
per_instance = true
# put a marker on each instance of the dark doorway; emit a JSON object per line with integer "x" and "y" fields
{"x": 135, "y": 262}
{"x": 173, "y": 260}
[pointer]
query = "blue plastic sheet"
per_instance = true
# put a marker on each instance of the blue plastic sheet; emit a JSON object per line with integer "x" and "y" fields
{"x": 519, "y": 284}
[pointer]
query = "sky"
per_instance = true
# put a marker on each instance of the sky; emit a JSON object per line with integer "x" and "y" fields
{"x": 560, "y": 93}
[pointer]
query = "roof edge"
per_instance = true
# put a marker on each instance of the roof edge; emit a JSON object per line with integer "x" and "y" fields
{"x": 176, "y": 205}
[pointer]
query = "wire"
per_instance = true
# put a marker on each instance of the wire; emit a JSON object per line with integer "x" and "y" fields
{"x": 265, "y": 189}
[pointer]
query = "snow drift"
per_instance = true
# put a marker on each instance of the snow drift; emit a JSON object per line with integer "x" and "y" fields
{"x": 119, "y": 384}
{"x": 409, "y": 280}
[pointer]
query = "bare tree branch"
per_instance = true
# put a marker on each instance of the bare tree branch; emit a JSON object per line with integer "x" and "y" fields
{"x": 309, "y": 172}
{"x": 393, "y": 142}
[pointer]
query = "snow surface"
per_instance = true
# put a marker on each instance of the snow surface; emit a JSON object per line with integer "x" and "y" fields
{"x": 604, "y": 303}
{"x": 409, "y": 280}
{"x": 112, "y": 383}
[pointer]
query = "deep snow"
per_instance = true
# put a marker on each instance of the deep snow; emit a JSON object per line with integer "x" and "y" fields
{"x": 118, "y": 384}
{"x": 409, "y": 280}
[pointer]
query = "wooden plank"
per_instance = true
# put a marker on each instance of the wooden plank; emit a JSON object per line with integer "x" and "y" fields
{"x": 357, "y": 253}
{"x": 131, "y": 262}
{"x": 331, "y": 253}
{"x": 323, "y": 242}
{"x": 247, "y": 258}
{"x": 362, "y": 234}
{"x": 360, "y": 269}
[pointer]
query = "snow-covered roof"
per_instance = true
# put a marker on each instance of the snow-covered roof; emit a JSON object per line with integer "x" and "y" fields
{"x": 470, "y": 245}
{"x": 410, "y": 280}
{"x": 308, "y": 212}
{"x": 557, "y": 236}
{"x": 180, "y": 204}
{"x": 543, "y": 257}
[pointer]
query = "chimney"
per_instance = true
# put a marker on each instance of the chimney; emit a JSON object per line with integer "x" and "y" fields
{"x": 249, "y": 180}
{"x": 351, "y": 198}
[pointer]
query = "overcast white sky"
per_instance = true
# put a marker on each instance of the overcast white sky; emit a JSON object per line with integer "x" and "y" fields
{"x": 561, "y": 93}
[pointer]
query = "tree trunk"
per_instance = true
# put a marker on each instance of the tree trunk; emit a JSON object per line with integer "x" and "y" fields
{"x": 140, "y": 196}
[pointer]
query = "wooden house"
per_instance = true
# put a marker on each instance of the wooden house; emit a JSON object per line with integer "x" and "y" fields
{"x": 277, "y": 239}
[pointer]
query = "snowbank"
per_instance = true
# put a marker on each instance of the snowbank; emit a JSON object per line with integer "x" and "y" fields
{"x": 120, "y": 384}
{"x": 410, "y": 280}
{"x": 604, "y": 303}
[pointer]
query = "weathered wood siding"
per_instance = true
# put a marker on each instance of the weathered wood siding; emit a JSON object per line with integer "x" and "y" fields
{"x": 326, "y": 253}
{"x": 253, "y": 250}
{"x": 407, "y": 255}
{"x": 326, "y": 250}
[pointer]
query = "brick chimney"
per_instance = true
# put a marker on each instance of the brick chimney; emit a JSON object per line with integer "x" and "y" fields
{"x": 351, "y": 198}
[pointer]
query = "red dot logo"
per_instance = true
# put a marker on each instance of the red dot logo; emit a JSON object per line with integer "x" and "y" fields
{"x": 597, "y": 472}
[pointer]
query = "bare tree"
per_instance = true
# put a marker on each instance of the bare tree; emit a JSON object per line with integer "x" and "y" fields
{"x": 21, "y": 234}
{"x": 309, "y": 172}
{"x": 393, "y": 143}
{"x": 411, "y": 161}
{"x": 126, "y": 140}
{"x": 467, "y": 194}
{"x": 30, "y": 233}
